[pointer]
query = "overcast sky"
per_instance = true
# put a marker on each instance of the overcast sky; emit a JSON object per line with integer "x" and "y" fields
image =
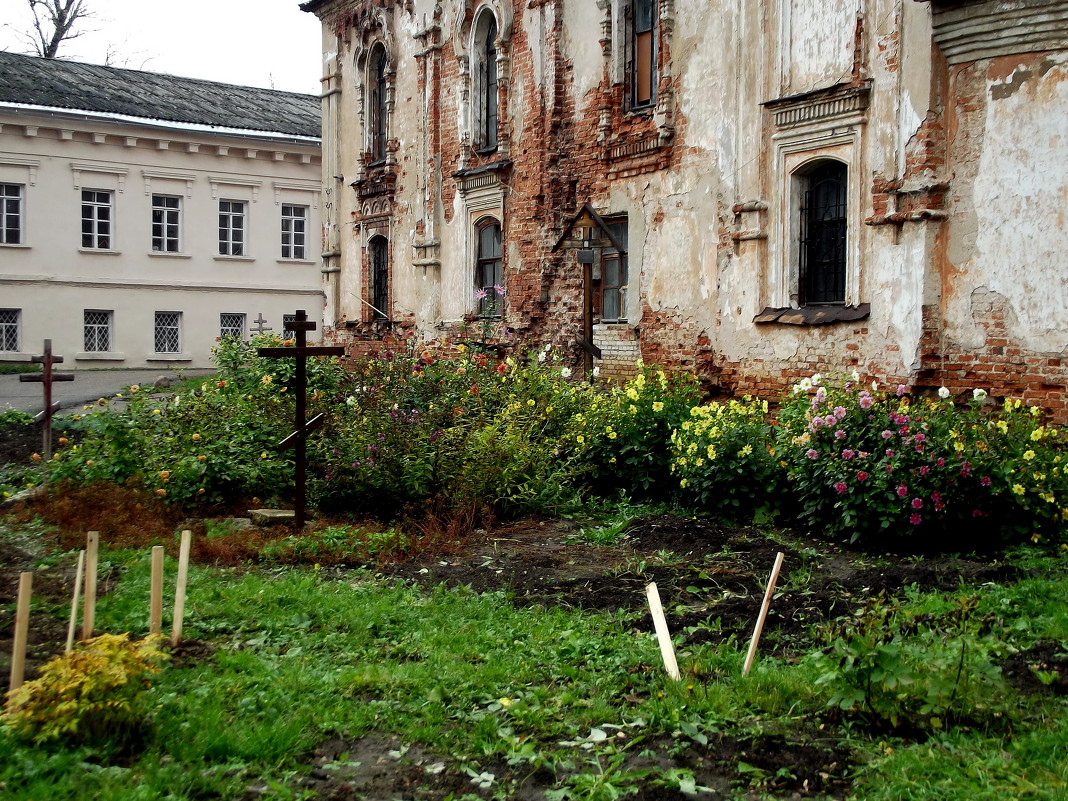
{"x": 265, "y": 43}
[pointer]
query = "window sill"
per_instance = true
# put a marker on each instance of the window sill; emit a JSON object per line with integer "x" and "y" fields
{"x": 295, "y": 261}
{"x": 162, "y": 254}
{"x": 169, "y": 357}
{"x": 15, "y": 356}
{"x": 15, "y": 246}
{"x": 235, "y": 258}
{"x": 814, "y": 315}
{"x": 100, "y": 252}
{"x": 109, "y": 356}
{"x": 485, "y": 151}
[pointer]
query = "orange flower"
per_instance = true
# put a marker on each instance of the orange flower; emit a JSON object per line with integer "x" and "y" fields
{"x": 161, "y": 492}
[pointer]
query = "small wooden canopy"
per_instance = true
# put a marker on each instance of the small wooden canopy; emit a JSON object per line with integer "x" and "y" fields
{"x": 588, "y": 217}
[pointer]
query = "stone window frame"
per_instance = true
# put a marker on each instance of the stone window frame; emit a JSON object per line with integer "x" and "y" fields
{"x": 469, "y": 18}
{"x": 809, "y": 278}
{"x": 485, "y": 82}
{"x": 607, "y": 254}
{"x": 378, "y": 103}
{"x": 491, "y": 306}
{"x": 633, "y": 49}
{"x": 655, "y": 119}
{"x": 375, "y": 47}
{"x": 824, "y": 125}
{"x": 378, "y": 267}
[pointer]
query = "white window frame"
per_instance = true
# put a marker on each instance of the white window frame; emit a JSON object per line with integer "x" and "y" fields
{"x": 10, "y": 330}
{"x": 171, "y": 322}
{"x": 6, "y": 213}
{"x": 229, "y": 330}
{"x": 171, "y": 216}
{"x": 91, "y": 331}
{"x": 94, "y": 206}
{"x": 294, "y": 242}
{"x": 233, "y": 228}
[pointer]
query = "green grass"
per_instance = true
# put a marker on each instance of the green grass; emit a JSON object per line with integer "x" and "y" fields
{"x": 300, "y": 656}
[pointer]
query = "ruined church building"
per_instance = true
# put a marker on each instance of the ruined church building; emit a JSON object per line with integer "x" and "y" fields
{"x": 753, "y": 190}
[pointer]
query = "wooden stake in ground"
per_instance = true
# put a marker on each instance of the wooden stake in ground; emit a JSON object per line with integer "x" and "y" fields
{"x": 749, "y": 657}
{"x": 179, "y": 589}
{"x": 22, "y": 628}
{"x": 74, "y": 601}
{"x": 89, "y": 611}
{"x": 155, "y": 604}
{"x": 667, "y": 651}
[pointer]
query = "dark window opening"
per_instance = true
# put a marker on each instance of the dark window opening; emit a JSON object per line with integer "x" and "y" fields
{"x": 610, "y": 298}
{"x": 378, "y": 250}
{"x": 378, "y": 106}
{"x": 641, "y": 55}
{"x": 822, "y": 240}
{"x": 489, "y": 277}
{"x": 487, "y": 84}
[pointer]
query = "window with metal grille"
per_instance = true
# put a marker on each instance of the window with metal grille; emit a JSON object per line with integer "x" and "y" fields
{"x": 294, "y": 231}
{"x": 489, "y": 276}
{"x": 166, "y": 224}
{"x": 9, "y": 329}
{"x": 231, "y": 325}
{"x": 486, "y": 82}
{"x": 231, "y": 228}
{"x": 378, "y": 251}
{"x": 377, "y": 99}
{"x": 10, "y": 214}
{"x": 97, "y": 330}
{"x": 96, "y": 219}
{"x": 168, "y": 332}
{"x": 614, "y": 276}
{"x": 641, "y": 21}
{"x": 822, "y": 233}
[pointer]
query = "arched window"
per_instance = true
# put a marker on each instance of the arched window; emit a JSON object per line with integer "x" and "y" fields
{"x": 376, "y": 96}
{"x": 489, "y": 275}
{"x": 822, "y": 225}
{"x": 378, "y": 256}
{"x": 486, "y": 82}
{"x": 641, "y": 52}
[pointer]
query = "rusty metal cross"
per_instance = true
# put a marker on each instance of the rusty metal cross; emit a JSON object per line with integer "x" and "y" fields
{"x": 301, "y": 325}
{"x": 47, "y": 377}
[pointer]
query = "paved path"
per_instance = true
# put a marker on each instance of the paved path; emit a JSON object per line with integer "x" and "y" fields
{"x": 87, "y": 386}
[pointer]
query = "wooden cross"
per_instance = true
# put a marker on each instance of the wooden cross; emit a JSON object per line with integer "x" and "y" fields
{"x": 260, "y": 327}
{"x": 46, "y": 377}
{"x": 301, "y": 325}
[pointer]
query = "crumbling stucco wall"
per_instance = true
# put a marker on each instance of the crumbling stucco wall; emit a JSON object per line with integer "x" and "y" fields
{"x": 956, "y": 183}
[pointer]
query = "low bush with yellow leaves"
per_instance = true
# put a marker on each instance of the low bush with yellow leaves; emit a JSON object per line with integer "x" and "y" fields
{"x": 93, "y": 694}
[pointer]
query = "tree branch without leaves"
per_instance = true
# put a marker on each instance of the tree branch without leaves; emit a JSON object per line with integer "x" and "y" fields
{"x": 53, "y": 23}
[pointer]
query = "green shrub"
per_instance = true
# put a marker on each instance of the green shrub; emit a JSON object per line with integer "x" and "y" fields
{"x": 890, "y": 666}
{"x": 94, "y": 694}
{"x": 866, "y": 463}
{"x": 725, "y": 459}
{"x": 627, "y": 432}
